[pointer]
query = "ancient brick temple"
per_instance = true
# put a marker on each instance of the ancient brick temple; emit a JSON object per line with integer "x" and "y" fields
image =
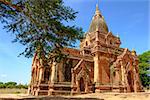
{"x": 100, "y": 65}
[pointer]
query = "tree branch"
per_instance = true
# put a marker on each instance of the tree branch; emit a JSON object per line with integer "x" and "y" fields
{"x": 7, "y": 3}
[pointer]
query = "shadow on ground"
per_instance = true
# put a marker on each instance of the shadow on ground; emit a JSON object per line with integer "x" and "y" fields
{"x": 50, "y": 98}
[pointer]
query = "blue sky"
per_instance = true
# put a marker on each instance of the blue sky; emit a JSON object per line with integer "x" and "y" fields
{"x": 127, "y": 18}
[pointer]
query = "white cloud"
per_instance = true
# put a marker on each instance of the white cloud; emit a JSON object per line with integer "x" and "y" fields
{"x": 3, "y": 75}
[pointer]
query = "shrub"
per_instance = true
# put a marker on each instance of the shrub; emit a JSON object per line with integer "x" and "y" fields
{"x": 10, "y": 86}
{"x": 1, "y": 82}
{"x": 13, "y": 85}
{"x": 20, "y": 86}
{"x": 2, "y": 86}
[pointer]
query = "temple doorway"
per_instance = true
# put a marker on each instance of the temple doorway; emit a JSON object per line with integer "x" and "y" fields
{"x": 47, "y": 74}
{"x": 82, "y": 85}
{"x": 130, "y": 81}
{"x": 67, "y": 70}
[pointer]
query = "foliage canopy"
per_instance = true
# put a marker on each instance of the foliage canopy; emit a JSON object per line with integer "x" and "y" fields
{"x": 38, "y": 24}
{"x": 12, "y": 85}
{"x": 144, "y": 68}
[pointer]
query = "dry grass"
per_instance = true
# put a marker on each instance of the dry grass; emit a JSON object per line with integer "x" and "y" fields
{"x": 13, "y": 91}
{"x": 12, "y": 94}
{"x": 93, "y": 96}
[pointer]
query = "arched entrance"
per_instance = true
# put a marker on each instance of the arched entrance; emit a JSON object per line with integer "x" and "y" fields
{"x": 46, "y": 74}
{"x": 67, "y": 70}
{"x": 130, "y": 81}
{"x": 82, "y": 85}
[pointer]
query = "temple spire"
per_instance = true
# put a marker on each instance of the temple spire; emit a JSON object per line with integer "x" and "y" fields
{"x": 97, "y": 12}
{"x": 98, "y": 23}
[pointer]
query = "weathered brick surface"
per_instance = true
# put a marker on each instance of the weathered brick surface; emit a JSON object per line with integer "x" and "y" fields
{"x": 100, "y": 65}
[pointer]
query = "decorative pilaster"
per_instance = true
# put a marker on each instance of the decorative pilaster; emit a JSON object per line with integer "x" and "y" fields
{"x": 123, "y": 77}
{"x": 41, "y": 74}
{"x": 117, "y": 75}
{"x": 54, "y": 72}
{"x": 60, "y": 70}
{"x": 78, "y": 86}
{"x": 86, "y": 87}
{"x": 96, "y": 69}
{"x": 72, "y": 82}
{"x": 135, "y": 80}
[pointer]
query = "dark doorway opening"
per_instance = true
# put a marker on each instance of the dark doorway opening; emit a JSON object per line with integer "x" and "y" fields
{"x": 82, "y": 85}
{"x": 67, "y": 70}
{"x": 130, "y": 81}
{"x": 46, "y": 74}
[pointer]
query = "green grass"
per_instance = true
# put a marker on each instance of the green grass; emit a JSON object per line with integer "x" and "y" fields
{"x": 13, "y": 91}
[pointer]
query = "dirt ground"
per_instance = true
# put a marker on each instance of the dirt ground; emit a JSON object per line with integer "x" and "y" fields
{"x": 118, "y": 96}
{"x": 93, "y": 96}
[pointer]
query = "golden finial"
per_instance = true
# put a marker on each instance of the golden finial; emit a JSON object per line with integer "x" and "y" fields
{"x": 133, "y": 52}
{"x": 97, "y": 12}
